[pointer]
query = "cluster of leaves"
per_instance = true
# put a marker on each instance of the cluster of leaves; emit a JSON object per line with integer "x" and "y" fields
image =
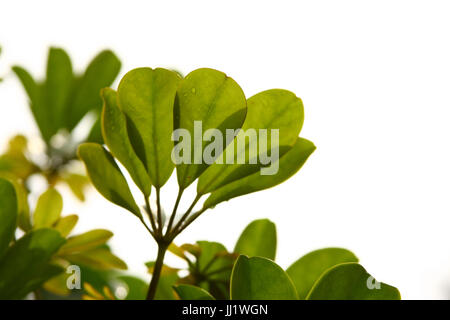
{"x": 59, "y": 104}
{"x": 39, "y": 258}
{"x": 325, "y": 274}
{"x": 137, "y": 125}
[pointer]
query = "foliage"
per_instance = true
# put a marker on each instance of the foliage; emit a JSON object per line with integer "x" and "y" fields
{"x": 66, "y": 108}
{"x": 137, "y": 125}
{"x": 329, "y": 273}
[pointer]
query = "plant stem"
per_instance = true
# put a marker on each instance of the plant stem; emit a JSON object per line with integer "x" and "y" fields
{"x": 162, "y": 248}
{"x": 150, "y": 215}
{"x": 174, "y": 212}
{"x": 184, "y": 217}
{"x": 191, "y": 219}
{"x": 158, "y": 205}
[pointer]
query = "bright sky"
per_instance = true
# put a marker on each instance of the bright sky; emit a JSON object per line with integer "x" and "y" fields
{"x": 374, "y": 77}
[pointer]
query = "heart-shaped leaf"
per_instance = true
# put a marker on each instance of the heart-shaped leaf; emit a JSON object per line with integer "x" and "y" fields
{"x": 189, "y": 292}
{"x": 8, "y": 214}
{"x": 276, "y": 109}
{"x": 106, "y": 176}
{"x": 288, "y": 165}
{"x": 259, "y": 278}
{"x": 115, "y": 135}
{"x": 25, "y": 265}
{"x": 146, "y": 97}
{"x": 48, "y": 209}
{"x": 206, "y": 99}
{"x": 308, "y": 269}
{"x": 259, "y": 239}
{"x": 350, "y": 281}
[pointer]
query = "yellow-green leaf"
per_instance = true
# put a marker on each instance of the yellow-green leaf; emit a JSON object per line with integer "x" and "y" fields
{"x": 308, "y": 269}
{"x": 215, "y": 99}
{"x": 115, "y": 135}
{"x": 350, "y": 281}
{"x": 146, "y": 96}
{"x": 66, "y": 224}
{"x": 107, "y": 177}
{"x": 48, "y": 209}
{"x": 288, "y": 165}
{"x": 86, "y": 241}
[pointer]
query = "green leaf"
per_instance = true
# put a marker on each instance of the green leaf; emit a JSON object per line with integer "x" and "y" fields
{"x": 8, "y": 214}
{"x": 106, "y": 176}
{"x": 308, "y": 269}
{"x": 100, "y": 73}
{"x": 36, "y": 95}
{"x": 350, "y": 281}
{"x": 77, "y": 184}
{"x": 85, "y": 241}
{"x": 97, "y": 258}
{"x": 188, "y": 292}
{"x": 115, "y": 135}
{"x": 48, "y": 209}
{"x": 289, "y": 164}
{"x": 259, "y": 278}
{"x": 259, "y": 239}
{"x": 137, "y": 288}
{"x": 269, "y": 110}
{"x": 25, "y": 266}
{"x": 146, "y": 97}
{"x": 212, "y": 258}
{"x": 58, "y": 87}
{"x": 216, "y": 100}
{"x": 66, "y": 224}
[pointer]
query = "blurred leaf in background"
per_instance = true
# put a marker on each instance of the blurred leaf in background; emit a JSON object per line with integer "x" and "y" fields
{"x": 66, "y": 107}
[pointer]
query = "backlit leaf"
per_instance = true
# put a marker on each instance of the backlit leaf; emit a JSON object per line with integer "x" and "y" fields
{"x": 146, "y": 96}
{"x": 288, "y": 165}
{"x": 350, "y": 281}
{"x": 308, "y": 269}
{"x": 216, "y": 100}
{"x": 115, "y": 135}
{"x": 106, "y": 176}
{"x": 260, "y": 279}
{"x": 259, "y": 239}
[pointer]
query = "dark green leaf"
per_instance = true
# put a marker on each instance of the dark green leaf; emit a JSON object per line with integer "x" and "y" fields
{"x": 115, "y": 134}
{"x": 259, "y": 239}
{"x": 58, "y": 87}
{"x": 308, "y": 269}
{"x": 188, "y": 292}
{"x": 106, "y": 176}
{"x": 289, "y": 164}
{"x": 216, "y": 100}
{"x": 146, "y": 97}
{"x": 8, "y": 214}
{"x": 25, "y": 266}
{"x": 260, "y": 279}
{"x": 350, "y": 281}
{"x": 36, "y": 95}
{"x": 137, "y": 288}
{"x": 100, "y": 73}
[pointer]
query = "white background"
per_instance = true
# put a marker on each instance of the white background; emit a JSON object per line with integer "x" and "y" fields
{"x": 374, "y": 77}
